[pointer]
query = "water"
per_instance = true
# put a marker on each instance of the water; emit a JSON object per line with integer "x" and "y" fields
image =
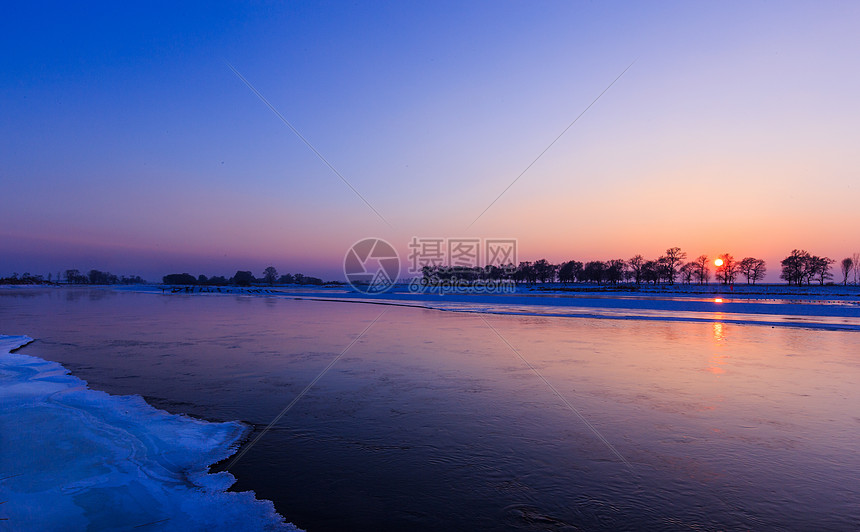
{"x": 431, "y": 420}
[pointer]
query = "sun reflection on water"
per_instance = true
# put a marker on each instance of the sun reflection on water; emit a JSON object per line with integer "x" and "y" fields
{"x": 718, "y": 360}
{"x": 718, "y": 331}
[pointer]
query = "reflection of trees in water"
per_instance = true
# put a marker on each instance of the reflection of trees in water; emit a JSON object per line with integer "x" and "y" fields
{"x": 73, "y": 294}
{"x": 24, "y": 294}
{"x": 96, "y": 295}
{"x": 67, "y": 293}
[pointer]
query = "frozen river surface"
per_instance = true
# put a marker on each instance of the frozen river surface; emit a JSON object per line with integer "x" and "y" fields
{"x": 440, "y": 420}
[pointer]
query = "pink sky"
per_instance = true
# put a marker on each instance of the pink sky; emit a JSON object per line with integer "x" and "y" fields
{"x": 133, "y": 148}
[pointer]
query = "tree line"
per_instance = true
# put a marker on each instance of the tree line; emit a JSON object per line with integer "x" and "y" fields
{"x": 270, "y": 277}
{"x": 73, "y": 276}
{"x": 799, "y": 268}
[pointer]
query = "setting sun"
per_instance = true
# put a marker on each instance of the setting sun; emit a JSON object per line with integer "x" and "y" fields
{"x": 718, "y": 262}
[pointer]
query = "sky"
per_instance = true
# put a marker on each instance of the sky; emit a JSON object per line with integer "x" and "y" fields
{"x": 130, "y": 145}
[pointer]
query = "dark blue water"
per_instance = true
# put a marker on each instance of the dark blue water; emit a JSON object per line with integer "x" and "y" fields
{"x": 435, "y": 421}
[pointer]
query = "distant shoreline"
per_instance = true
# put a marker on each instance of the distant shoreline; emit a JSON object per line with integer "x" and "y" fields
{"x": 679, "y": 289}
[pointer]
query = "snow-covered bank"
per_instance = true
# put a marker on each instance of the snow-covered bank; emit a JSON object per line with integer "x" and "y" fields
{"x": 826, "y": 307}
{"x": 72, "y": 458}
{"x": 817, "y": 307}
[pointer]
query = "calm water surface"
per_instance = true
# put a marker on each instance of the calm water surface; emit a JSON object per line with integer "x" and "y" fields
{"x": 431, "y": 421}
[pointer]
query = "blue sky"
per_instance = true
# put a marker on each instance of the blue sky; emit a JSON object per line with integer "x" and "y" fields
{"x": 129, "y": 144}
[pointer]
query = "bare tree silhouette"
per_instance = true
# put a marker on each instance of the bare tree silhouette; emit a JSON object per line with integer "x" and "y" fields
{"x": 728, "y": 270}
{"x": 847, "y": 265}
{"x": 635, "y": 263}
{"x": 821, "y": 269}
{"x": 544, "y": 270}
{"x": 270, "y": 275}
{"x": 569, "y": 271}
{"x": 856, "y": 259}
{"x": 796, "y": 266}
{"x": 615, "y": 270}
{"x": 753, "y": 269}
{"x": 672, "y": 259}
{"x": 687, "y": 272}
{"x": 651, "y": 272}
{"x": 703, "y": 269}
{"x": 595, "y": 271}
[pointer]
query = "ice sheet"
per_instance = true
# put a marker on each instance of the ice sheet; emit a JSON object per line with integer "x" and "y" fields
{"x": 72, "y": 458}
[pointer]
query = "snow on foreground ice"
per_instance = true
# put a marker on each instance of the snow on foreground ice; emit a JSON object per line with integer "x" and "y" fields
{"x": 72, "y": 458}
